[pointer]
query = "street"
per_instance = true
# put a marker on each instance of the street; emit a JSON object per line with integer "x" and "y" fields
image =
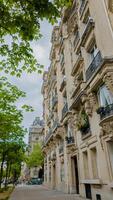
{"x": 40, "y": 193}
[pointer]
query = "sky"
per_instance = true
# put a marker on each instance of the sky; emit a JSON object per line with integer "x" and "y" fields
{"x": 31, "y": 83}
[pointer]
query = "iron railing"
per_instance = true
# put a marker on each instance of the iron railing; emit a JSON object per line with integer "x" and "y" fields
{"x": 63, "y": 83}
{"x": 76, "y": 39}
{"x": 95, "y": 64}
{"x": 48, "y": 135}
{"x": 70, "y": 140}
{"x": 55, "y": 124}
{"x": 105, "y": 111}
{"x": 82, "y": 6}
{"x": 54, "y": 101}
{"x": 64, "y": 110}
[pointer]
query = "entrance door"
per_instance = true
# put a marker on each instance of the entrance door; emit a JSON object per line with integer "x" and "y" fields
{"x": 88, "y": 191}
{"x": 76, "y": 174}
{"x": 54, "y": 176}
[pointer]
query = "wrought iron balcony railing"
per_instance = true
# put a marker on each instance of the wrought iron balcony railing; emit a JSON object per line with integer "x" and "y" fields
{"x": 55, "y": 124}
{"x": 48, "y": 135}
{"x": 63, "y": 83}
{"x": 105, "y": 112}
{"x": 88, "y": 28}
{"x": 70, "y": 140}
{"x": 94, "y": 66}
{"x": 54, "y": 101}
{"x": 77, "y": 38}
{"x": 64, "y": 110}
{"x": 82, "y": 6}
{"x": 49, "y": 117}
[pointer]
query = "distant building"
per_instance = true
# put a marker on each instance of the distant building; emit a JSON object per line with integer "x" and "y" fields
{"x": 35, "y": 136}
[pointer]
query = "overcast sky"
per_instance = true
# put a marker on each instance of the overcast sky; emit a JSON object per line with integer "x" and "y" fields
{"x": 31, "y": 84}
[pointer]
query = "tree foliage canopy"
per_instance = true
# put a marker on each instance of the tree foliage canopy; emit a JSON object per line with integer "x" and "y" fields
{"x": 20, "y": 24}
{"x": 36, "y": 158}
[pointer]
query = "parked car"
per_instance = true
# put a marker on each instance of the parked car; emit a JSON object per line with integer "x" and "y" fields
{"x": 35, "y": 181}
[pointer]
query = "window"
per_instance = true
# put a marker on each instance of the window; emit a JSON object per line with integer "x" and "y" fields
{"x": 62, "y": 172}
{"x": 85, "y": 163}
{"x": 93, "y": 52}
{"x": 69, "y": 131}
{"x": 105, "y": 97}
{"x": 49, "y": 173}
{"x": 94, "y": 163}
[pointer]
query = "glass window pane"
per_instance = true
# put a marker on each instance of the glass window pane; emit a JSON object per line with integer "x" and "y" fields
{"x": 105, "y": 96}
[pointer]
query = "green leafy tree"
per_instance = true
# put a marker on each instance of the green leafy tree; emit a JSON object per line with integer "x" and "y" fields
{"x": 36, "y": 158}
{"x": 20, "y": 24}
{"x": 11, "y": 130}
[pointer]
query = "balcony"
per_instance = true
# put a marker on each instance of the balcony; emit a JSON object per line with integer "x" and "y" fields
{"x": 48, "y": 136}
{"x": 106, "y": 113}
{"x": 76, "y": 39}
{"x": 49, "y": 117}
{"x": 54, "y": 100}
{"x": 94, "y": 66}
{"x": 76, "y": 97}
{"x": 70, "y": 140}
{"x": 89, "y": 27}
{"x": 78, "y": 87}
{"x": 77, "y": 64}
{"x": 61, "y": 149}
{"x": 82, "y": 7}
{"x": 64, "y": 110}
{"x": 55, "y": 125}
{"x": 63, "y": 83}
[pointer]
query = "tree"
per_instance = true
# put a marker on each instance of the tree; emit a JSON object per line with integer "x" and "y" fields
{"x": 36, "y": 158}
{"x": 20, "y": 24}
{"x": 11, "y": 130}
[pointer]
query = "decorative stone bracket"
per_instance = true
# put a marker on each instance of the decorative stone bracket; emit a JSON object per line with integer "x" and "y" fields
{"x": 108, "y": 79}
{"x": 111, "y": 5}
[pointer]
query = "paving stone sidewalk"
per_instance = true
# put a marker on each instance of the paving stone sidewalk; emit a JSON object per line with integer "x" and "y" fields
{"x": 40, "y": 193}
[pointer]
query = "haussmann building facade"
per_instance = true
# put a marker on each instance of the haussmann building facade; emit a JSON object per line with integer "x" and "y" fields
{"x": 78, "y": 102}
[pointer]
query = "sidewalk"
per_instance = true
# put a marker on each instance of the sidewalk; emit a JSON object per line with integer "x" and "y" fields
{"x": 40, "y": 193}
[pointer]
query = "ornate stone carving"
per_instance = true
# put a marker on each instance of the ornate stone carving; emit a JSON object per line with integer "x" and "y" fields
{"x": 92, "y": 99}
{"x": 111, "y": 5}
{"x": 62, "y": 159}
{"x": 107, "y": 129}
{"x": 108, "y": 79}
{"x": 88, "y": 108}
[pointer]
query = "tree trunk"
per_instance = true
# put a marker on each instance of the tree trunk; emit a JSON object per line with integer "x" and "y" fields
{"x": 1, "y": 169}
{"x": 6, "y": 180}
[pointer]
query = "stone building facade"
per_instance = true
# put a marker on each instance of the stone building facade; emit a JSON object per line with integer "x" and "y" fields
{"x": 78, "y": 102}
{"x": 35, "y": 136}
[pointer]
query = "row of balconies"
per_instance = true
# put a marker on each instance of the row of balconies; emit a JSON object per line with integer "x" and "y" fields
{"x": 82, "y": 7}
{"x": 93, "y": 67}
{"x": 69, "y": 141}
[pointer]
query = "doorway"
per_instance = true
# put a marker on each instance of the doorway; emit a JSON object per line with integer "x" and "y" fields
{"x": 75, "y": 175}
{"x": 88, "y": 191}
{"x": 54, "y": 176}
